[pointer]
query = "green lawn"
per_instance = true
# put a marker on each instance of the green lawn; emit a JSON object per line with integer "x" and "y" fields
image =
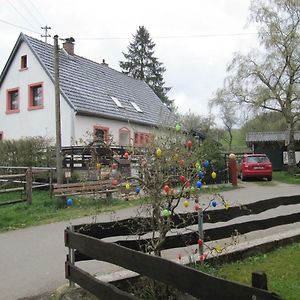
{"x": 281, "y": 266}
{"x": 46, "y": 210}
{"x": 285, "y": 177}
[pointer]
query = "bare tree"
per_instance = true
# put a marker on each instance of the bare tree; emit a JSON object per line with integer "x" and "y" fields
{"x": 228, "y": 113}
{"x": 194, "y": 121}
{"x": 269, "y": 79}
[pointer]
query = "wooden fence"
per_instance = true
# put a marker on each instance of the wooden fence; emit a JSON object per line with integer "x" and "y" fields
{"x": 21, "y": 179}
{"x": 128, "y": 253}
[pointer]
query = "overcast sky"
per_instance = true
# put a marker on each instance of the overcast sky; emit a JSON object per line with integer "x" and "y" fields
{"x": 195, "y": 39}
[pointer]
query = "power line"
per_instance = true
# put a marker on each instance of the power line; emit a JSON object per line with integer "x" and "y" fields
{"x": 18, "y": 26}
{"x": 175, "y": 36}
{"x": 19, "y": 13}
{"x": 30, "y": 13}
{"x": 38, "y": 11}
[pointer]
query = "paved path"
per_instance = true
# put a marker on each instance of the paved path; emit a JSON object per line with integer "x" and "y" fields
{"x": 32, "y": 259}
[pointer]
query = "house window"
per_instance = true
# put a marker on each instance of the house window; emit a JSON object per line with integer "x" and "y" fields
{"x": 101, "y": 134}
{"x": 36, "y": 96}
{"x": 23, "y": 62}
{"x": 141, "y": 138}
{"x": 124, "y": 136}
{"x": 1, "y": 135}
{"x": 12, "y": 101}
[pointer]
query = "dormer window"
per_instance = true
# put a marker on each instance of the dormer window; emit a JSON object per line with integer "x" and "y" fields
{"x": 12, "y": 101}
{"x": 23, "y": 62}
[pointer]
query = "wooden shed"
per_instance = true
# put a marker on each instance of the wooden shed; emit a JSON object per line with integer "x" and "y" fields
{"x": 273, "y": 144}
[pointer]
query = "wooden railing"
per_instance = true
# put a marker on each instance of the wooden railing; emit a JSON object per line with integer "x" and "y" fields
{"x": 128, "y": 253}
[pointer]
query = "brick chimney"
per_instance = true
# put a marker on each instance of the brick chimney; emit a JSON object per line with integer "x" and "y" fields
{"x": 68, "y": 45}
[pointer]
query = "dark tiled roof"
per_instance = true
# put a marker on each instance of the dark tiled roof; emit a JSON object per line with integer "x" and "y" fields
{"x": 88, "y": 85}
{"x": 278, "y": 136}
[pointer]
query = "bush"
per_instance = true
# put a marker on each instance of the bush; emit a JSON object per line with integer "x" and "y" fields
{"x": 27, "y": 152}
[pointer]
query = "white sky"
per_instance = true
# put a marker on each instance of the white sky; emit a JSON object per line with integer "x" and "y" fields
{"x": 195, "y": 65}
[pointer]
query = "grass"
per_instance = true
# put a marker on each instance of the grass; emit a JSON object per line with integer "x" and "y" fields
{"x": 285, "y": 177}
{"x": 280, "y": 265}
{"x": 46, "y": 210}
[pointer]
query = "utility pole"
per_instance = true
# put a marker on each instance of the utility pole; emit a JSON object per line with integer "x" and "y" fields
{"x": 46, "y": 35}
{"x": 59, "y": 172}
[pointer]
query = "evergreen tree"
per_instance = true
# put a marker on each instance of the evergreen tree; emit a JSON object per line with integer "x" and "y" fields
{"x": 142, "y": 64}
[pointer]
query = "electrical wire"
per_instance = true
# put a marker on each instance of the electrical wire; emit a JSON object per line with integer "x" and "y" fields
{"x": 18, "y": 26}
{"x": 38, "y": 11}
{"x": 175, "y": 36}
{"x": 19, "y": 13}
{"x": 30, "y": 13}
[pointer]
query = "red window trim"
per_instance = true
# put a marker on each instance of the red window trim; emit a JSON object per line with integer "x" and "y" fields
{"x": 146, "y": 137}
{"x": 105, "y": 129}
{"x": 1, "y": 135}
{"x": 23, "y": 68}
{"x": 30, "y": 95}
{"x": 124, "y": 129}
{"x": 8, "y": 101}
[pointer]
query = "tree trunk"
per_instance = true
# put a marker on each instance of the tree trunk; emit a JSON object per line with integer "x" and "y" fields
{"x": 290, "y": 143}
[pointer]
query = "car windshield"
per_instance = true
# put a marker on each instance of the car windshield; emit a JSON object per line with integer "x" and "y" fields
{"x": 257, "y": 159}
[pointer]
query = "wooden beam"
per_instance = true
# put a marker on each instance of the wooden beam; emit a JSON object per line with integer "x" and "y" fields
{"x": 186, "y": 279}
{"x": 98, "y": 288}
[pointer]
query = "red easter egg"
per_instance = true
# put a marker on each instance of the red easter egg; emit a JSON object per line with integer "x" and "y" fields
{"x": 189, "y": 144}
{"x": 166, "y": 188}
{"x": 200, "y": 242}
{"x": 182, "y": 178}
{"x": 126, "y": 155}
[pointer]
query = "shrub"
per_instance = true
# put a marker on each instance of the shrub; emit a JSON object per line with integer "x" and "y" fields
{"x": 27, "y": 152}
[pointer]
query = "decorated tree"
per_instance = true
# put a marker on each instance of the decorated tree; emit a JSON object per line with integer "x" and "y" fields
{"x": 141, "y": 63}
{"x": 172, "y": 171}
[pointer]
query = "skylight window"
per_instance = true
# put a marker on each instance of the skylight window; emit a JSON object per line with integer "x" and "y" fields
{"x": 116, "y": 101}
{"x": 137, "y": 108}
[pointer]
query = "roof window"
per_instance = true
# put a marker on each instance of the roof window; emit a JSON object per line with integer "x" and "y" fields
{"x": 116, "y": 101}
{"x": 137, "y": 108}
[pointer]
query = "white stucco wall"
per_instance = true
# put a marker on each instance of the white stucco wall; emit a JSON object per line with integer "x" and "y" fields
{"x": 84, "y": 127}
{"x": 40, "y": 122}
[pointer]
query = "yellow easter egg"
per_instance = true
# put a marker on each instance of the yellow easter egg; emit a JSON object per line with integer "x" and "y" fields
{"x": 158, "y": 152}
{"x": 213, "y": 175}
{"x": 127, "y": 186}
{"x": 186, "y": 203}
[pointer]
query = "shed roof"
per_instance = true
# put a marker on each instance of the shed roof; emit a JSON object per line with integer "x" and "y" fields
{"x": 278, "y": 136}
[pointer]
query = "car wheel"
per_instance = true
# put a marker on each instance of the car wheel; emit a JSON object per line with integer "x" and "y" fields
{"x": 269, "y": 178}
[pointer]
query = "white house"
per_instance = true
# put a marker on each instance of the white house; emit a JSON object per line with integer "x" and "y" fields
{"x": 94, "y": 97}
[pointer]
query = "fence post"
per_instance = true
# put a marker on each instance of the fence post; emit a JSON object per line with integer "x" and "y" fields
{"x": 50, "y": 183}
{"x": 71, "y": 259}
{"x": 29, "y": 185}
{"x": 259, "y": 280}
{"x": 200, "y": 229}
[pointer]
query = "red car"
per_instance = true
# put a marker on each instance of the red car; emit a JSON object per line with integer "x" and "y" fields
{"x": 255, "y": 165}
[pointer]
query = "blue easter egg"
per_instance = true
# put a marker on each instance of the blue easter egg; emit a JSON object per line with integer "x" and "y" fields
{"x": 200, "y": 174}
{"x": 137, "y": 190}
{"x": 206, "y": 164}
{"x": 199, "y": 184}
{"x": 213, "y": 203}
{"x": 69, "y": 202}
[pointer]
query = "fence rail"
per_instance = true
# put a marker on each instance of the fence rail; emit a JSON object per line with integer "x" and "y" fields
{"x": 189, "y": 280}
{"x": 128, "y": 252}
